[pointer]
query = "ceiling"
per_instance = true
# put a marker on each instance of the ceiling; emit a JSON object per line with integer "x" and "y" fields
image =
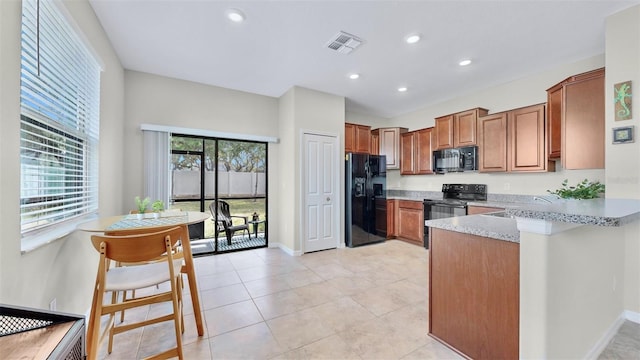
{"x": 283, "y": 44}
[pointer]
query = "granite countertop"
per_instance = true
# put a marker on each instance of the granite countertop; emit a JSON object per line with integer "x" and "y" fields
{"x": 599, "y": 212}
{"x": 495, "y": 227}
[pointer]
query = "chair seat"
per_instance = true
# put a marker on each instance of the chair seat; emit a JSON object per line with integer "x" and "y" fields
{"x": 238, "y": 227}
{"x": 139, "y": 276}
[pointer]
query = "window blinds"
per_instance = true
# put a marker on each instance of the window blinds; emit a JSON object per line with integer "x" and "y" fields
{"x": 59, "y": 131}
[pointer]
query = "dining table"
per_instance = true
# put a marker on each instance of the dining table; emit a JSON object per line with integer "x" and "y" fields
{"x": 154, "y": 222}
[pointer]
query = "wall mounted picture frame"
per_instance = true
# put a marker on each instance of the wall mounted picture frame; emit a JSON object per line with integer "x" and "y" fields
{"x": 622, "y": 135}
{"x": 622, "y": 93}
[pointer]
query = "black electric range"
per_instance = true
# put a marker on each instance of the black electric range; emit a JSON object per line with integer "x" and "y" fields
{"x": 453, "y": 203}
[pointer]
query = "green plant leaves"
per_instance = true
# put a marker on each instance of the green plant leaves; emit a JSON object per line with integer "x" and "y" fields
{"x": 583, "y": 190}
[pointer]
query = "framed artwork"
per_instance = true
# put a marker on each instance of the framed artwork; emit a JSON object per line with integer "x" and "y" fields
{"x": 623, "y": 135}
{"x": 622, "y": 100}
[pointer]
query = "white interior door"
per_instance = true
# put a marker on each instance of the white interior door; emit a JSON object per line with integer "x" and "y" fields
{"x": 321, "y": 178}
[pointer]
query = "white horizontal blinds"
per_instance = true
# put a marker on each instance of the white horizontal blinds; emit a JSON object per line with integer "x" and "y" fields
{"x": 59, "y": 132}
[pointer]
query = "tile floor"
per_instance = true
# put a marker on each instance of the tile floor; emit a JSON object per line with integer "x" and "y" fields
{"x": 364, "y": 303}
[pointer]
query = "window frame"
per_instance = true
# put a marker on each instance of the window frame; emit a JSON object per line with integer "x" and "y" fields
{"x": 64, "y": 116}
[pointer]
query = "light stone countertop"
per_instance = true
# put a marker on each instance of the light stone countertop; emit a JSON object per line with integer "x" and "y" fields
{"x": 599, "y": 212}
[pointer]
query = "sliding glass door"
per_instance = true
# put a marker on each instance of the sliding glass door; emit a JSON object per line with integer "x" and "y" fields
{"x": 228, "y": 179}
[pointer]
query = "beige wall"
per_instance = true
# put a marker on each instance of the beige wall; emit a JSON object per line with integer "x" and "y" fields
{"x": 363, "y": 119}
{"x": 312, "y": 111}
{"x": 570, "y": 292}
{"x": 65, "y": 269}
{"x": 623, "y": 161}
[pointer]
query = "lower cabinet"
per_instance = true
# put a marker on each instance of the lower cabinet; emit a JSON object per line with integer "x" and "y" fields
{"x": 474, "y": 296}
{"x": 474, "y": 210}
{"x": 392, "y": 210}
{"x": 410, "y": 223}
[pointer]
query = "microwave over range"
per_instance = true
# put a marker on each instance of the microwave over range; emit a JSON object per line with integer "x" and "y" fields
{"x": 455, "y": 160}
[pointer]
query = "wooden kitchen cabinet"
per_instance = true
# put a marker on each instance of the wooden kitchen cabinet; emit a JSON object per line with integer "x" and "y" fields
{"x": 492, "y": 143}
{"x": 444, "y": 132}
{"x": 457, "y": 130}
{"x": 527, "y": 141}
{"x": 357, "y": 138}
{"x": 375, "y": 143}
{"x": 392, "y": 211}
{"x": 410, "y": 221}
{"x": 576, "y": 118}
{"x": 416, "y": 152}
{"x": 474, "y": 296}
{"x": 389, "y": 139}
{"x": 514, "y": 141}
{"x": 474, "y": 210}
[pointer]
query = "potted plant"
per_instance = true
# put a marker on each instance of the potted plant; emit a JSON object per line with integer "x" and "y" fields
{"x": 142, "y": 206}
{"x": 583, "y": 190}
{"x": 157, "y": 206}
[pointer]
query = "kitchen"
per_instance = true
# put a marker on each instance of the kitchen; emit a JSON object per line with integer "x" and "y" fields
{"x": 621, "y": 175}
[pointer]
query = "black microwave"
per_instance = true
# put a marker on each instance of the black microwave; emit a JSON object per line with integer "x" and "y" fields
{"x": 455, "y": 160}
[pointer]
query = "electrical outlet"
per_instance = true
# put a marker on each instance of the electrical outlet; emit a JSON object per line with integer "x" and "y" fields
{"x": 507, "y": 186}
{"x": 53, "y": 305}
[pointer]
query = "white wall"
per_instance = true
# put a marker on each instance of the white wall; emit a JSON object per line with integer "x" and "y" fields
{"x": 623, "y": 161}
{"x": 64, "y": 269}
{"x": 364, "y": 119}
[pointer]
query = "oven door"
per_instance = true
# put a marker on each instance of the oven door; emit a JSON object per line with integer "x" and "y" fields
{"x": 436, "y": 209}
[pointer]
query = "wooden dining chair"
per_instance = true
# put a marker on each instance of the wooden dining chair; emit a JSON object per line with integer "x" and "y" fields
{"x": 165, "y": 263}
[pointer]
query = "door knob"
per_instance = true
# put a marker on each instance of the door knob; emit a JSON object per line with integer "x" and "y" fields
{"x": 328, "y": 198}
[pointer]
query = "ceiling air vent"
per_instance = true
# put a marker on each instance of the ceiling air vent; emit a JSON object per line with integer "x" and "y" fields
{"x": 344, "y": 42}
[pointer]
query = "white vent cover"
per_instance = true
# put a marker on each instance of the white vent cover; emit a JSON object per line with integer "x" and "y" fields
{"x": 344, "y": 42}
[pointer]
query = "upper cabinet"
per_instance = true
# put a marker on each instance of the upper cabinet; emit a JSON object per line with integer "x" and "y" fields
{"x": 375, "y": 143}
{"x": 416, "y": 152}
{"x": 389, "y": 139}
{"x": 514, "y": 141}
{"x": 357, "y": 138}
{"x": 526, "y": 140}
{"x": 576, "y": 118}
{"x": 457, "y": 130}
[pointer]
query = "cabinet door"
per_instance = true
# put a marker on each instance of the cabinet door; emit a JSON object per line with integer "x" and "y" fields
{"x": 410, "y": 221}
{"x": 464, "y": 128}
{"x": 554, "y": 120}
{"x": 375, "y": 144}
{"x": 444, "y": 132}
{"x": 526, "y": 139}
{"x": 392, "y": 229}
{"x": 492, "y": 139}
{"x": 363, "y": 139}
{"x": 583, "y": 124}
{"x": 349, "y": 138}
{"x": 424, "y": 151}
{"x": 407, "y": 151}
{"x": 390, "y": 146}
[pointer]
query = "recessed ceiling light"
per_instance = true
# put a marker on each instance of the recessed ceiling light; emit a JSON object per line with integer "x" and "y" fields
{"x": 402, "y": 89}
{"x": 412, "y": 39}
{"x": 354, "y": 76}
{"x": 235, "y": 15}
{"x": 464, "y": 62}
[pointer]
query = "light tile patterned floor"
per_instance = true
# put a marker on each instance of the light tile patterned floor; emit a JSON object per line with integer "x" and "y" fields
{"x": 364, "y": 303}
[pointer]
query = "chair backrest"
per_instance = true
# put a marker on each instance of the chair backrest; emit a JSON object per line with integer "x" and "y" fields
{"x": 224, "y": 214}
{"x": 137, "y": 247}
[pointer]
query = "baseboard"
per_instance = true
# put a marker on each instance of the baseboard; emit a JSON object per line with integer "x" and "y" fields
{"x": 606, "y": 338}
{"x": 286, "y": 249}
{"x": 632, "y": 316}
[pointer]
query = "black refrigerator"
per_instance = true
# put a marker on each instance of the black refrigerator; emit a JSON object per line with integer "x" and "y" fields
{"x": 366, "y": 199}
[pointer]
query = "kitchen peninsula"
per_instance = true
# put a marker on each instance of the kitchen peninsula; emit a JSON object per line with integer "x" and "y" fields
{"x": 534, "y": 281}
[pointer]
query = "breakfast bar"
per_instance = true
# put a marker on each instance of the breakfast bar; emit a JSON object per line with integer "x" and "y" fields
{"x": 558, "y": 268}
